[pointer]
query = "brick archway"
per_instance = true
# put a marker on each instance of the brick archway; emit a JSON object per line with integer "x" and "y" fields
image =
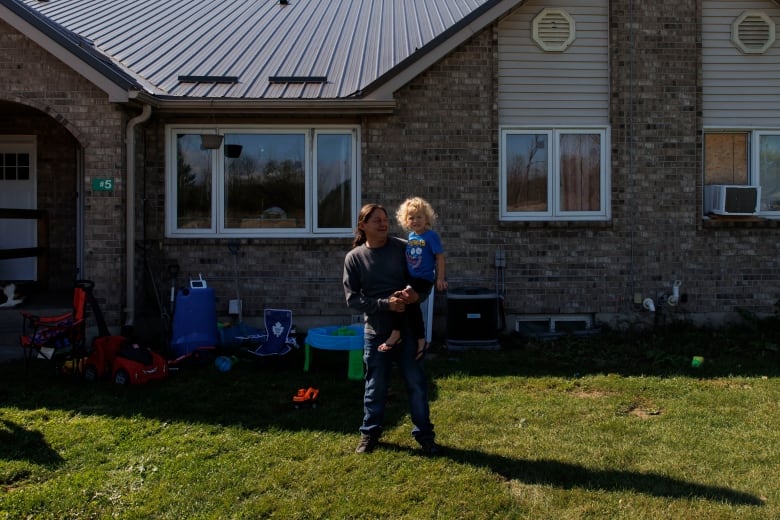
{"x": 7, "y": 106}
{"x": 58, "y": 149}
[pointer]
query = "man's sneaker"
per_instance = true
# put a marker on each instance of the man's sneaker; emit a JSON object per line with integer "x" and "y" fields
{"x": 367, "y": 443}
{"x": 429, "y": 447}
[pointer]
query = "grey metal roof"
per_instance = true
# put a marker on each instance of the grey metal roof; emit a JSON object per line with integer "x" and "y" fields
{"x": 316, "y": 49}
{"x": 75, "y": 44}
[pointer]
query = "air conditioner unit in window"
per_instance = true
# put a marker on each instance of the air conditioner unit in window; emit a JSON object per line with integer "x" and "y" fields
{"x": 731, "y": 199}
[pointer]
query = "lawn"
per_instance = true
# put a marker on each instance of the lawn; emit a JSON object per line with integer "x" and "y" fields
{"x": 606, "y": 426}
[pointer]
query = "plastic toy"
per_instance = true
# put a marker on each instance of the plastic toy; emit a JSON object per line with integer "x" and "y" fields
{"x": 123, "y": 361}
{"x": 225, "y": 363}
{"x": 306, "y": 397}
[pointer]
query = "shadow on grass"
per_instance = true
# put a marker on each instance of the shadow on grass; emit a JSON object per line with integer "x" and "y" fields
{"x": 565, "y": 475}
{"x": 749, "y": 350}
{"x": 255, "y": 394}
{"x": 17, "y": 443}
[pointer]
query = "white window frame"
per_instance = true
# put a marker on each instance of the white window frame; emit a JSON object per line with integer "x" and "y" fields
{"x": 753, "y": 157}
{"x": 754, "y": 168}
{"x": 554, "y": 212}
{"x": 311, "y": 228}
{"x": 354, "y": 185}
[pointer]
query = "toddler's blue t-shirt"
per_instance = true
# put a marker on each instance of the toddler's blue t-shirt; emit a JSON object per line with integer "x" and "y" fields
{"x": 420, "y": 254}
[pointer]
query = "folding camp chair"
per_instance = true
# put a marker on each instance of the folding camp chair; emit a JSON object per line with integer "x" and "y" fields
{"x": 60, "y": 338}
{"x": 279, "y": 338}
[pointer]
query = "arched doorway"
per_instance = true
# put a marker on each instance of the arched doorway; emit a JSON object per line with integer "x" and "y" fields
{"x": 41, "y": 171}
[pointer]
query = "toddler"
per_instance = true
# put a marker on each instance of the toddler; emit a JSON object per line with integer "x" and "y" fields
{"x": 425, "y": 261}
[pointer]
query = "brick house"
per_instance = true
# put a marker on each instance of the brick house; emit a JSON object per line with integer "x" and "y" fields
{"x": 571, "y": 140}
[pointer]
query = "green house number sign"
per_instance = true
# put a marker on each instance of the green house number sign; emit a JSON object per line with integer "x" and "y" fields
{"x": 102, "y": 184}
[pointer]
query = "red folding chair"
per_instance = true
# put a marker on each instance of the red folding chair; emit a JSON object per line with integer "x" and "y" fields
{"x": 60, "y": 339}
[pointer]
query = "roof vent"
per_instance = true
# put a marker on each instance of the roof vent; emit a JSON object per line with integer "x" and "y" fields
{"x": 208, "y": 79}
{"x": 297, "y": 79}
{"x": 553, "y": 30}
{"x": 753, "y": 32}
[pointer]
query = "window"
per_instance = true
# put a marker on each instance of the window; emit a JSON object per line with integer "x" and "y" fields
{"x": 14, "y": 166}
{"x": 750, "y": 158}
{"x": 289, "y": 181}
{"x": 554, "y": 174}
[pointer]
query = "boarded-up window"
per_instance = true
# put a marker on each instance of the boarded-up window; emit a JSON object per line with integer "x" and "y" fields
{"x": 726, "y": 158}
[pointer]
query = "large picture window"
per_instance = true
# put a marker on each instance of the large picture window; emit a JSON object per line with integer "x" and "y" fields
{"x": 288, "y": 181}
{"x": 554, "y": 174}
{"x": 745, "y": 157}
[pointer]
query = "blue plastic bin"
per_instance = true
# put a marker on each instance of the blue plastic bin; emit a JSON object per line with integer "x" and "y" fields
{"x": 194, "y": 321}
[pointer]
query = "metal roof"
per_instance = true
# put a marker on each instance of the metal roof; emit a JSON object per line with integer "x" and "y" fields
{"x": 253, "y": 49}
{"x": 77, "y": 46}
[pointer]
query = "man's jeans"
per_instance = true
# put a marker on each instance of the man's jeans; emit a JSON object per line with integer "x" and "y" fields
{"x": 378, "y": 373}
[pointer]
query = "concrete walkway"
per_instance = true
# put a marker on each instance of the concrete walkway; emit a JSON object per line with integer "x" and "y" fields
{"x": 10, "y": 353}
{"x": 9, "y": 335}
{"x": 11, "y": 321}
{"x": 10, "y": 326}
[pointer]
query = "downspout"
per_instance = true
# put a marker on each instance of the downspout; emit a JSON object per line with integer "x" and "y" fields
{"x": 130, "y": 214}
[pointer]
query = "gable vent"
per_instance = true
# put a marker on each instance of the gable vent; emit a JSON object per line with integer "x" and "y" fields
{"x": 553, "y": 30}
{"x": 753, "y": 32}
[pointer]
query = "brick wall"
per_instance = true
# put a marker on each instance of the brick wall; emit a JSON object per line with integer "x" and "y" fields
{"x": 656, "y": 146}
{"x": 301, "y": 275}
{"x": 442, "y": 143}
{"x": 71, "y": 116}
{"x": 657, "y": 195}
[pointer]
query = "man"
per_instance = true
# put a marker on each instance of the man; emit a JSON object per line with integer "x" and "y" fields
{"x": 374, "y": 274}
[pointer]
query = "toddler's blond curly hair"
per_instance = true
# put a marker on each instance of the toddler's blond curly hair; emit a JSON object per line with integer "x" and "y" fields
{"x": 414, "y": 205}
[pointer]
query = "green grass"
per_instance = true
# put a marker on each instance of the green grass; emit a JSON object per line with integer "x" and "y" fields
{"x": 609, "y": 426}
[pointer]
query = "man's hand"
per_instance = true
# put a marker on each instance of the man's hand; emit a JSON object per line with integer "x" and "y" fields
{"x": 395, "y": 303}
{"x": 408, "y": 295}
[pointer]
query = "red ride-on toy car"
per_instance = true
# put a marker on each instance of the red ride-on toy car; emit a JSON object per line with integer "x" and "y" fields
{"x": 124, "y": 361}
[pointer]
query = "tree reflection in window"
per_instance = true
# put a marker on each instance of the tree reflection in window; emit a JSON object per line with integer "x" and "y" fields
{"x": 193, "y": 183}
{"x": 265, "y": 185}
{"x": 334, "y": 176}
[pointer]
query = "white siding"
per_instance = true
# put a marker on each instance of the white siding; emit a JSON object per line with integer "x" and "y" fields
{"x": 562, "y": 88}
{"x": 739, "y": 90}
